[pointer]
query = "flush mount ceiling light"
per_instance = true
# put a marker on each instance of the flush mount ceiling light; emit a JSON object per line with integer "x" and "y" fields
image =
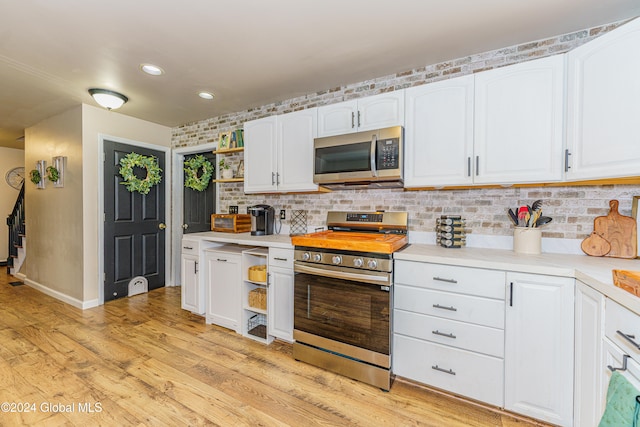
{"x": 151, "y": 69}
{"x": 108, "y": 99}
{"x": 205, "y": 95}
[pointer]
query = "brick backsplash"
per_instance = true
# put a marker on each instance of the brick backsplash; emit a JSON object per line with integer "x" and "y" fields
{"x": 572, "y": 208}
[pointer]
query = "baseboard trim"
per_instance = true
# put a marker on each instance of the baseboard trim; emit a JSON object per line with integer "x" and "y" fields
{"x": 83, "y": 305}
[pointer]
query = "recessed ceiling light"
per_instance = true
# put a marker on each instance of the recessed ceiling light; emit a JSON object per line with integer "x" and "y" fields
{"x": 151, "y": 69}
{"x": 205, "y": 95}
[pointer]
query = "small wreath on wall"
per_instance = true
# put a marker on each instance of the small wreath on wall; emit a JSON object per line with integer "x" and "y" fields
{"x": 34, "y": 176}
{"x": 131, "y": 181}
{"x": 52, "y": 174}
{"x": 191, "y": 169}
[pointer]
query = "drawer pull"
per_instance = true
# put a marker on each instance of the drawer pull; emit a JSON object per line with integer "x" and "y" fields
{"x": 446, "y": 371}
{"x": 222, "y": 260}
{"x": 280, "y": 259}
{"x": 437, "y": 332}
{"x": 452, "y": 308}
{"x": 440, "y": 279}
{"x": 629, "y": 338}
{"x": 189, "y": 248}
{"x": 624, "y": 364}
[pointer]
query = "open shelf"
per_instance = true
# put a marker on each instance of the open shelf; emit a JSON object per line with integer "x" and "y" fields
{"x": 254, "y": 317}
{"x": 229, "y": 151}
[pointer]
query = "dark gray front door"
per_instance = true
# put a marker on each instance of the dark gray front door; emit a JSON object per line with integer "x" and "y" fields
{"x": 134, "y": 240}
{"x": 199, "y": 205}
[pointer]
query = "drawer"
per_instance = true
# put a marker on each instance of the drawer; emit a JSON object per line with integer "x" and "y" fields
{"x": 462, "y": 372}
{"x": 617, "y": 318}
{"x": 464, "y": 280}
{"x": 190, "y": 247}
{"x": 463, "y": 308}
{"x": 281, "y": 258}
{"x": 462, "y": 335}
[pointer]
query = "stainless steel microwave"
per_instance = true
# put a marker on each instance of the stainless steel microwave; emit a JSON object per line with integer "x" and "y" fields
{"x": 370, "y": 158}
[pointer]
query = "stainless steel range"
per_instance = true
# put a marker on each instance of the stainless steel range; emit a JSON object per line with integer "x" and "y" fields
{"x": 344, "y": 293}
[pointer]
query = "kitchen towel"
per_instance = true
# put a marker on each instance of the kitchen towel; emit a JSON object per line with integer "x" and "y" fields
{"x": 623, "y": 403}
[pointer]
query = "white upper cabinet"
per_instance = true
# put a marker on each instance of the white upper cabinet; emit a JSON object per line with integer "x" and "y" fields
{"x": 519, "y": 123}
{"x": 295, "y": 133}
{"x": 373, "y": 112}
{"x": 439, "y": 133}
{"x": 279, "y": 153}
{"x": 260, "y": 155}
{"x": 603, "y": 125}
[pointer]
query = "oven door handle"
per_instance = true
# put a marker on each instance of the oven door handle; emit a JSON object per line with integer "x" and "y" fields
{"x": 358, "y": 277}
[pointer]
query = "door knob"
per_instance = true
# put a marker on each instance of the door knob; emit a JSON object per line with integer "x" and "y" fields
{"x": 185, "y": 226}
{"x": 162, "y": 226}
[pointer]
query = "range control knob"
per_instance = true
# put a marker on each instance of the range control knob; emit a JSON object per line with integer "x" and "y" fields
{"x": 317, "y": 257}
{"x": 337, "y": 259}
{"x": 357, "y": 262}
{"x": 306, "y": 256}
{"x": 372, "y": 263}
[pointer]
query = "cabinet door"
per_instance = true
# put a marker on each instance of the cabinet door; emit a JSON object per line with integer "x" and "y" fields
{"x": 260, "y": 155}
{"x": 280, "y": 303}
{"x": 539, "y": 347}
{"x": 589, "y": 404}
{"x": 603, "y": 107}
{"x": 224, "y": 276}
{"x": 439, "y": 133}
{"x": 381, "y": 111}
{"x": 337, "y": 119}
{"x": 295, "y": 133}
{"x": 518, "y": 122}
{"x": 190, "y": 292}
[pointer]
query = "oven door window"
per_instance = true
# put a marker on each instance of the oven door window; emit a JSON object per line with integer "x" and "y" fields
{"x": 343, "y": 310}
{"x": 343, "y": 158}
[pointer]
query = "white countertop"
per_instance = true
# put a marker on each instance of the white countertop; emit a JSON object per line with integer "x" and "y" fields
{"x": 273, "y": 240}
{"x": 592, "y": 271}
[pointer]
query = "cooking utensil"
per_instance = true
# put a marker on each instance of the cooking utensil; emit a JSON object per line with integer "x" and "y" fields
{"x": 619, "y": 230}
{"x": 595, "y": 245}
{"x": 513, "y": 217}
{"x": 534, "y": 219}
{"x": 522, "y": 213}
{"x": 537, "y": 205}
{"x": 543, "y": 220}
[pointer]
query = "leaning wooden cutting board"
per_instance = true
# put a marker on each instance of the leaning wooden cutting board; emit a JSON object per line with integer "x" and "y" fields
{"x": 619, "y": 230}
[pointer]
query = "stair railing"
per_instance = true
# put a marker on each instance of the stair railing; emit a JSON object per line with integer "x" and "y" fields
{"x": 15, "y": 221}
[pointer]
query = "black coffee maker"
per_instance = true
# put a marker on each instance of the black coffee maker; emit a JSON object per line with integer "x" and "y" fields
{"x": 262, "y": 217}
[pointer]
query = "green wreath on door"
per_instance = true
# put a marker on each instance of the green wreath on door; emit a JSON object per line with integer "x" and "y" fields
{"x": 131, "y": 181}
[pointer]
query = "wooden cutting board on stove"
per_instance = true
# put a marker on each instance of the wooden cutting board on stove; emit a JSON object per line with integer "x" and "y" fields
{"x": 619, "y": 230}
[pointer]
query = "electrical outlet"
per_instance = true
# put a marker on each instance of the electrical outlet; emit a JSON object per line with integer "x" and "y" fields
{"x": 233, "y": 209}
{"x": 283, "y": 214}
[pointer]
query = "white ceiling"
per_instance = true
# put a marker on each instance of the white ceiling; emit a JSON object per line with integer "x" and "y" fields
{"x": 247, "y": 52}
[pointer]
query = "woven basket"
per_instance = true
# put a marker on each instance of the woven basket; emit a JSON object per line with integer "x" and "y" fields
{"x": 258, "y": 273}
{"x": 258, "y": 298}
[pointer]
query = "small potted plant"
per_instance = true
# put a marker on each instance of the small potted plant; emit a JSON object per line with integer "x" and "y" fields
{"x": 225, "y": 169}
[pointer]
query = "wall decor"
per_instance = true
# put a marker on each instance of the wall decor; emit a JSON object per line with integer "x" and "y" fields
{"x": 37, "y": 175}
{"x": 223, "y": 141}
{"x": 240, "y": 170}
{"x": 55, "y": 172}
{"x": 15, "y": 177}
{"x": 131, "y": 181}
{"x": 192, "y": 168}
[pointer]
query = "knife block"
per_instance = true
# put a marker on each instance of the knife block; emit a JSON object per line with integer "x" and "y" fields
{"x": 527, "y": 240}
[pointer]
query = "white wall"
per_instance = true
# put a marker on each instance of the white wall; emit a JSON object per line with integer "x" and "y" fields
{"x": 9, "y": 159}
{"x": 63, "y": 224}
{"x": 97, "y": 122}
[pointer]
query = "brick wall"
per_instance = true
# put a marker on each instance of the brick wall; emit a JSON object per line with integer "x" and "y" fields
{"x": 572, "y": 208}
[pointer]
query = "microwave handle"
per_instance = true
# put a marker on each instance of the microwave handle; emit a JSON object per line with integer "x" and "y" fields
{"x": 374, "y": 143}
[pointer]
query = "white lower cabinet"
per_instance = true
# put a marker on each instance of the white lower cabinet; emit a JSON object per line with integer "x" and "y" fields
{"x": 539, "y": 339}
{"x": 193, "y": 286}
{"x": 280, "y": 294}
{"x": 449, "y": 328}
{"x": 224, "y": 274}
{"x": 588, "y": 401}
{"x": 499, "y": 337}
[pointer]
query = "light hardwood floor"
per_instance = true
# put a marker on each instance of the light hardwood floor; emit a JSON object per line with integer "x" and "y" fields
{"x": 145, "y": 361}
